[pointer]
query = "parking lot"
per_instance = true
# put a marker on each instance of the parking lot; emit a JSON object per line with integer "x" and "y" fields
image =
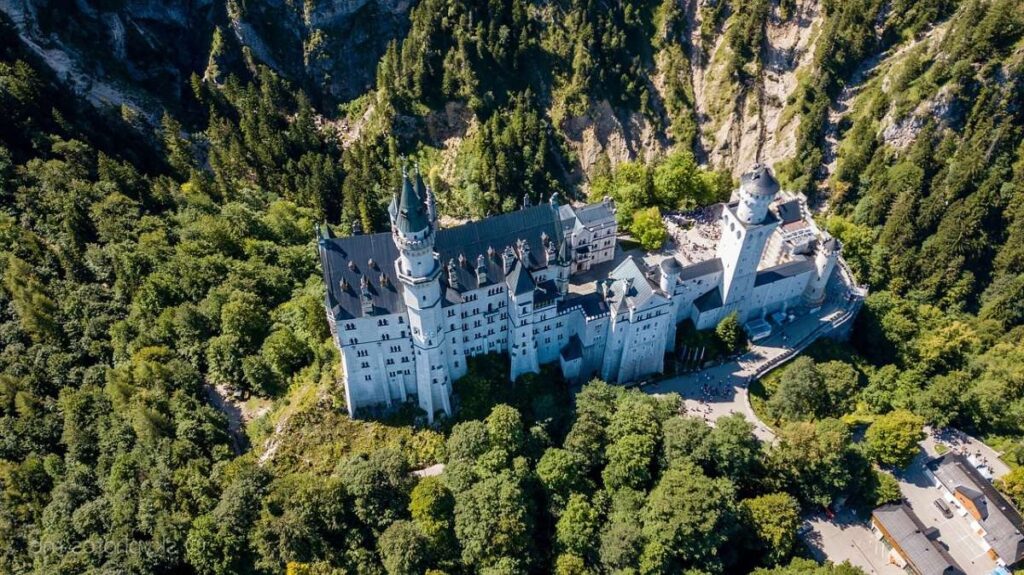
{"x": 846, "y": 538}
{"x": 963, "y": 545}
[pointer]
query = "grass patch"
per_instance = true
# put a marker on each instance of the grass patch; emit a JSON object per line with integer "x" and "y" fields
{"x": 309, "y": 430}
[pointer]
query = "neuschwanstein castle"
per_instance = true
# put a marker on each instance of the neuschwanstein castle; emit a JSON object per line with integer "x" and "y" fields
{"x": 407, "y": 308}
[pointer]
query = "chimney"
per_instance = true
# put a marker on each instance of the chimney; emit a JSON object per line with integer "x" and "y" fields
{"x": 481, "y": 270}
{"x": 524, "y": 250}
{"x": 508, "y": 259}
{"x": 366, "y": 298}
{"x": 453, "y": 274}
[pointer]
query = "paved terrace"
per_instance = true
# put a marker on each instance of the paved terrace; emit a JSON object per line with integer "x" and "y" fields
{"x": 722, "y": 390}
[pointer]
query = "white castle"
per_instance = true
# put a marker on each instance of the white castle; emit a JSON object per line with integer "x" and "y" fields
{"x": 407, "y": 308}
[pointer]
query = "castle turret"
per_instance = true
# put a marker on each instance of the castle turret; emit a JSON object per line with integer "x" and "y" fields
{"x": 825, "y": 258}
{"x": 669, "y": 275}
{"x": 757, "y": 190}
{"x": 427, "y": 195}
{"x": 419, "y": 271}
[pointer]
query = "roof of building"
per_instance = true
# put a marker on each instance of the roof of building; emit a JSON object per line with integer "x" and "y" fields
{"x": 1002, "y": 523}
{"x": 593, "y": 213}
{"x": 346, "y": 258}
{"x": 911, "y": 536}
{"x": 546, "y": 293}
{"x": 709, "y": 301}
{"x": 760, "y": 181}
{"x": 783, "y": 271}
{"x": 630, "y": 286}
{"x": 700, "y": 269}
{"x": 346, "y": 261}
{"x": 519, "y": 280}
{"x": 573, "y": 349}
{"x": 592, "y": 304}
{"x": 497, "y": 232}
{"x": 789, "y": 211}
{"x": 412, "y": 213}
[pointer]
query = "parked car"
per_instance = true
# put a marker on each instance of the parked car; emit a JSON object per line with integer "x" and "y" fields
{"x": 943, "y": 508}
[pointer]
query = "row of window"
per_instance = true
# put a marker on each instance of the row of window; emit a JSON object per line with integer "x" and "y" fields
{"x": 381, "y": 322}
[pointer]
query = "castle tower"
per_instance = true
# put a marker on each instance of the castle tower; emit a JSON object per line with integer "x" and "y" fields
{"x": 746, "y": 227}
{"x": 758, "y": 188}
{"x": 522, "y": 348}
{"x": 825, "y": 258}
{"x": 412, "y": 230}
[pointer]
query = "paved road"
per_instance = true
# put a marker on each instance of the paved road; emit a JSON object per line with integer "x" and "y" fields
{"x": 722, "y": 390}
{"x": 974, "y": 449}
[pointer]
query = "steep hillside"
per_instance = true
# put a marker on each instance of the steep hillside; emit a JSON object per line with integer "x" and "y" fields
{"x": 142, "y": 53}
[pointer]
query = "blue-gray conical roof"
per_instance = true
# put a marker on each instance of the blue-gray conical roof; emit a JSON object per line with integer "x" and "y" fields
{"x": 760, "y": 181}
{"x": 412, "y": 214}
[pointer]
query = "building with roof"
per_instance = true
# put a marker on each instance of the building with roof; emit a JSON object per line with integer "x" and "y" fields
{"x": 993, "y": 519}
{"x": 912, "y": 546}
{"x": 407, "y": 308}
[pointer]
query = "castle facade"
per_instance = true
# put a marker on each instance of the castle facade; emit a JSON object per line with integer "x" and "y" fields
{"x": 407, "y": 308}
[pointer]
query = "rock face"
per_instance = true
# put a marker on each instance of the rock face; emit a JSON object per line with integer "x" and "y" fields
{"x": 739, "y": 122}
{"x": 141, "y": 53}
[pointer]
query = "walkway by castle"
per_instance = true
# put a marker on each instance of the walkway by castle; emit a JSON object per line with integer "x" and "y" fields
{"x": 722, "y": 390}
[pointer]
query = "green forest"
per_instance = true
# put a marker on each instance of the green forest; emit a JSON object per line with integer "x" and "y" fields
{"x": 148, "y": 259}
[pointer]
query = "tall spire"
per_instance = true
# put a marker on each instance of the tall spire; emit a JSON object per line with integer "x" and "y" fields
{"x": 427, "y": 195}
{"x": 412, "y": 215}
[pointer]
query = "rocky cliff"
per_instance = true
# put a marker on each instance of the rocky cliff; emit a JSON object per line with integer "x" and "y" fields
{"x": 140, "y": 54}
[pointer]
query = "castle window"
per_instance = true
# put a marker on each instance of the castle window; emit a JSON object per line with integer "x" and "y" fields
{"x": 391, "y": 361}
{"x": 367, "y": 378}
{"x": 456, "y": 363}
{"x": 401, "y": 319}
{"x": 365, "y": 365}
{"x": 362, "y": 353}
{"x": 350, "y": 326}
{"x": 382, "y": 322}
